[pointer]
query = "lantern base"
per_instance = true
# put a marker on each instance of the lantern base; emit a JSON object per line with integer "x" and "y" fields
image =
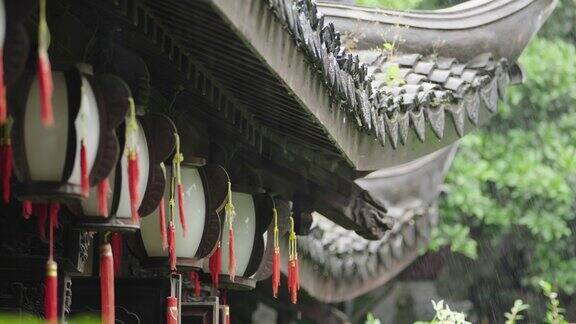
{"x": 105, "y": 224}
{"x": 183, "y": 264}
{"x": 40, "y": 192}
{"x": 239, "y": 283}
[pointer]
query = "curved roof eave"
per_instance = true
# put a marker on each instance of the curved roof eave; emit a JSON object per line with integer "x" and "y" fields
{"x": 462, "y": 31}
{"x": 337, "y": 264}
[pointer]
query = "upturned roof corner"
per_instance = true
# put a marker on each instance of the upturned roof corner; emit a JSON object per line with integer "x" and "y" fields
{"x": 451, "y": 62}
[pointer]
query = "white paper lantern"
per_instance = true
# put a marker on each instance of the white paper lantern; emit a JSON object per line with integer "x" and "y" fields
{"x": 154, "y": 144}
{"x": 195, "y": 206}
{"x": 47, "y": 159}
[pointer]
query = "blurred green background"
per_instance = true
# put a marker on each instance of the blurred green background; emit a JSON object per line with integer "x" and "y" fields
{"x": 509, "y": 215}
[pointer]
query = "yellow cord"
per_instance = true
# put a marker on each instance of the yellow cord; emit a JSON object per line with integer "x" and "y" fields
{"x": 275, "y": 215}
{"x": 292, "y": 250}
{"x": 230, "y": 210}
{"x": 131, "y": 129}
{"x": 43, "y": 31}
{"x": 178, "y": 159}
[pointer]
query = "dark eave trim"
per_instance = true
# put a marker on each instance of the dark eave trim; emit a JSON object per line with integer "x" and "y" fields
{"x": 401, "y": 247}
{"x": 255, "y": 23}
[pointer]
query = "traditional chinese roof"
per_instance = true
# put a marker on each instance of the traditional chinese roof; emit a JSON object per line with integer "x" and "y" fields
{"x": 427, "y": 90}
{"x": 456, "y": 36}
{"x": 277, "y": 83}
{"x": 338, "y": 264}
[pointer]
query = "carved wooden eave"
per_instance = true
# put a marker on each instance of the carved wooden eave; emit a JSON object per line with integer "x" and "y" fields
{"x": 337, "y": 264}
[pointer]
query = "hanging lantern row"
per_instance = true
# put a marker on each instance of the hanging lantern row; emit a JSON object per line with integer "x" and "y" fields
{"x": 88, "y": 151}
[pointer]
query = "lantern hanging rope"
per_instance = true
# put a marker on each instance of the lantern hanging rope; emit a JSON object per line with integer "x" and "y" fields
{"x": 293, "y": 266}
{"x": 6, "y": 160}
{"x": 276, "y": 257}
{"x": 176, "y": 171}
{"x": 133, "y": 168}
{"x": 230, "y": 214}
{"x": 44, "y": 69}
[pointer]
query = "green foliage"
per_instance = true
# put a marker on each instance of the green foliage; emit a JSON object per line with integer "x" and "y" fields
{"x": 561, "y": 23}
{"x": 554, "y": 313}
{"x": 550, "y": 86}
{"x": 521, "y": 172}
{"x": 444, "y": 315}
{"x": 29, "y": 319}
{"x": 511, "y": 202}
{"x": 370, "y": 319}
{"x": 393, "y": 76}
{"x": 514, "y": 315}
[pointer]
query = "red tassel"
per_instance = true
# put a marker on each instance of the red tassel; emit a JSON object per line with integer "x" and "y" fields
{"x": 107, "y": 284}
{"x": 181, "y": 210}
{"x": 51, "y": 293}
{"x": 7, "y": 170}
{"x": 46, "y": 87}
{"x": 2, "y": 157}
{"x": 41, "y": 210}
{"x": 84, "y": 181}
{"x": 290, "y": 277}
{"x": 117, "y": 248}
{"x": 133, "y": 184}
{"x": 103, "y": 188}
{"x": 172, "y": 310}
{"x": 26, "y": 209}
{"x": 163, "y": 233}
{"x": 215, "y": 265}
{"x": 293, "y": 280}
{"x": 231, "y": 255}
{"x": 3, "y": 108}
{"x": 297, "y": 275}
{"x": 276, "y": 272}
{"x": 195, "y": 278}
{"x": 172, "y": 246}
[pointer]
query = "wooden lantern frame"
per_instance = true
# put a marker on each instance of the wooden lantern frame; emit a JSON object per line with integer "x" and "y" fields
{"x": 158, "y": 130}
{"x": 109, "y": 91}
{"x": 263, "y": 204}
{"x": 214, "y": 180}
